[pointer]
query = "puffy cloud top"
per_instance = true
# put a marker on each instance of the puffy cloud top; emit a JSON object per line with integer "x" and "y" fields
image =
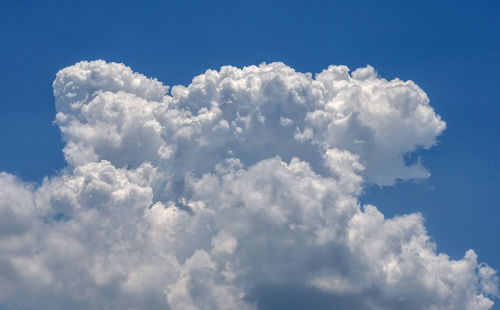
{"x": 220, "y": 194}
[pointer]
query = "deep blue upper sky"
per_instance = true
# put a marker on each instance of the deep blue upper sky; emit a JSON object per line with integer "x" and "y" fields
{"x": 449, "y": 48}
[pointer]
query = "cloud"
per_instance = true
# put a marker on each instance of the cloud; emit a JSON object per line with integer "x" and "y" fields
{"x": 239, "y": 191}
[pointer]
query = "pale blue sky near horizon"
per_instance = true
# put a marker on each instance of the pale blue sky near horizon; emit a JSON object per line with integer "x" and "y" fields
{"x": 451, "y": 49}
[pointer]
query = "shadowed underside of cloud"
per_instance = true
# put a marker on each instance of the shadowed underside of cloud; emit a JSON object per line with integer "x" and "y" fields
{"x": 239, "y": 191}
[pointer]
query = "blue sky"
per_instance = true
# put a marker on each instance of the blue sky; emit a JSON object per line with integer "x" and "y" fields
{"x": 449, "y": 48}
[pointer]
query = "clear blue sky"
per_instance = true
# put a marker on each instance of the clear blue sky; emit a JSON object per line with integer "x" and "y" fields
{"x": 451, "y": 49}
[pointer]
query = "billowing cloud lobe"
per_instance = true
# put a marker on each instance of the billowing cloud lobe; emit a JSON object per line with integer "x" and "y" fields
{"x": 239, "y": 191}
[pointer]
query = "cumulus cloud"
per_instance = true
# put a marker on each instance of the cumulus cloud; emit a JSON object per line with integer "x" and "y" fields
{"x": 239, "y": 191}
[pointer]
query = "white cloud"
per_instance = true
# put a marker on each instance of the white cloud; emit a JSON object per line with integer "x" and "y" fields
{"x": 208, "y": 196}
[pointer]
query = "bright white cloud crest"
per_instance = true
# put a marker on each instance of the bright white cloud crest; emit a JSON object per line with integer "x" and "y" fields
{"x": 242, "y": 185}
